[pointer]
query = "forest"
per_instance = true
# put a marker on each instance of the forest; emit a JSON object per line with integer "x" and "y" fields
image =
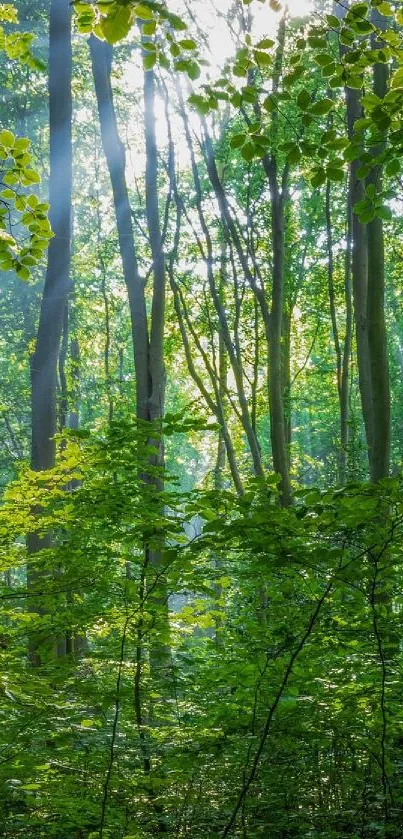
{"x": 201, "y": 419}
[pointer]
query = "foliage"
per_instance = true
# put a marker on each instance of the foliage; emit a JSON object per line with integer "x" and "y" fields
{"x": 181, "y": 653}
{"x": 254, "y": 696}
{"x": 17, "y": 207}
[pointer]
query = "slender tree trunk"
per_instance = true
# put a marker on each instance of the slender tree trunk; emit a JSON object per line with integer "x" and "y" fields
{"x": 63, "y": 386}
{"x": 342, "y": 384}
{"x": 160, "y": 652}
{"x": 276, "y": 380}
{"x": 147, "y": 344}
{"x": 359, "y": 262}
{"x": 44, "y": 364}
{"x": 57, "y": 283}
{"x": 219, "y": 469}
{"x": 346, "y": 354}
{"x": 377, "y": 336}
{"x": 101, "y": 57}
{"x": 360, "y": 279}
{"x": 214, "y": 404}
{"x": 286, "y": 372}
{"x": 280, "y": 428}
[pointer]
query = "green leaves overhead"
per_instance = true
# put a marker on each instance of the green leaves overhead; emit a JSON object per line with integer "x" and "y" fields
{"x": 17, "y": 45}
{"x": 322, "y": 107}
{"x": 373, "y": 205}
{"x": 113, "y": 21}
{"x": 17, "y": 206}
{"x": 116, "y": 25}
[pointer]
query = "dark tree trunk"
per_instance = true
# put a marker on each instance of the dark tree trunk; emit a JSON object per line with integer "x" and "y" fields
{"x": 160, "y": 657}
{"x": 359, "y": 266}
{"x": 44, "y": 364}
{"x": 342, "y": 351}
{"x": 57, "y": 283}
{"x": 346, "y": 354}
{"x": 377, "y": 336}
{"x": 276, "y": 378}
{"x": 101, "y": 56}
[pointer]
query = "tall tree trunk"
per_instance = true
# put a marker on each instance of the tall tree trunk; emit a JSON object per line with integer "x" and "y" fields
{"x": 160, "y": 652}
{"x": 219, "y": 469}
{"x": 286, "y": 373}
{"x": 280, "y": 429}
{"x": 101, "y": 57}
{"x": 346, "y": 353}
{"x": 377, "y": 336}
{"x": 148, "y": 350}
{"x": 44, "y": 362}
{"x": 276, "y": 379}
{"x": 342, "y": 351}
{"x": 57, "y": 283}
{"x": 359, "y": 261}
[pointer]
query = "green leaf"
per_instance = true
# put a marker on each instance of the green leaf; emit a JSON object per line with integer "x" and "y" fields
{"x": 143, "y": 12}
{"x": 303, "y": 100}
{"x": 385, "y": 9}
{"x": 149, "y": 28}
{"x": 7, "y": 138}
{"x": 333, "y": 21}
{"x": 355, "y": 82}
{"x": 318, "y": 178}
{"x": 359, "y": 10}
{"x": 367, "y": 215}
{"x": 248, "y": 151}
{"x": 335, "y": 173}
{"x": 7, "y": 194}
{"x": 177, "y": 23}
{"x": 22, "y": 272}
{"x": 393, "y": 167}
{"x": 116, "y": 26}
{"x": 363, "y": 27}
{"x": 193, "y": 70}
{"x": 262, "y": 58}
{"x": 323, "y": 58}
{"x": 149, "y": 60}
{"x": 199, "y": 102}
{"x": 322, "y": 107}
{"x": 238, "y": 140}
{"x": 265, "y": 44}
{"x": 294, "y": 155}
{"x": 384, "y": 212}
{"x": 188, "y": 44}
{"x": 270, "y": 104}
{"x": 31, "y": 177}
{"x": 397, "y": 78}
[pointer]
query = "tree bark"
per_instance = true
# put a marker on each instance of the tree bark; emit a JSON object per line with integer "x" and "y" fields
{"x": 101, "y": 57}
{"x": 276, "y": 379}
{"x": 160, "y": 659}
{"x": 377, "y": 335}
{"x": 359, "y": 268}
{"x": 44, "y": 363}
{"x": 342, "y": 351}
{"x": 57, "y": 283}
{"x": 346, "y": 353}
